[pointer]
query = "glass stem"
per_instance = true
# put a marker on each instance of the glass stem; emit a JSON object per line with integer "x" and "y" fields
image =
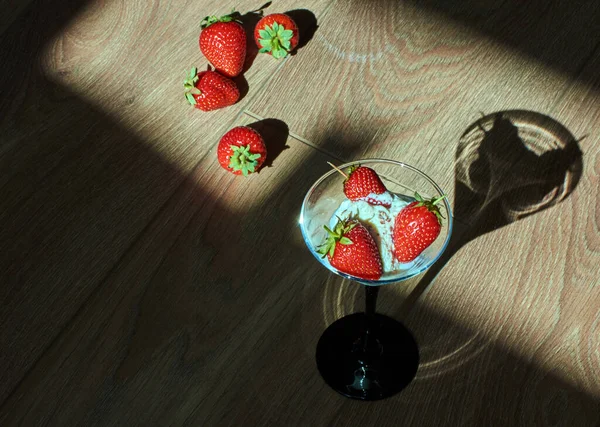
{"x": 371, "y": 300}
{"x": 371, "y": 293}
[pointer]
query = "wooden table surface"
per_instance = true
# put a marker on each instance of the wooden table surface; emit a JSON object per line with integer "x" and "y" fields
{"x": 143, "y": 285}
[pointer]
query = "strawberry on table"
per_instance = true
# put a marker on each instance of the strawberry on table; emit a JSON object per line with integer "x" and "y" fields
{"x": 276, "y": 34}
{"x": 208, "y": 90}
{"x": 242, "y": 151}
{"x": 362, "y": 181}
{"x": 351, "y": 249}
{"x": 416, "y": 227}
{"x": 223, "y": 43}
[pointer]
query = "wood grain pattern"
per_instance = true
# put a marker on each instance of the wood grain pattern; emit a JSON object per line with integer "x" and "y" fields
{"x": 11, "y": 9}
{"x": 193, "y": 295}
{"x": 414, "y": 81}
{"x": 96, "y": 138}
{"x": 144, "y": 285}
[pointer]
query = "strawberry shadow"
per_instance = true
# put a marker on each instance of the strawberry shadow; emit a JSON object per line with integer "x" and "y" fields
{"x": 275, "y": 134}
{"x": 242, "y": 85}
{"x": 307, "y": 26}
{"x": 249, "y": 21}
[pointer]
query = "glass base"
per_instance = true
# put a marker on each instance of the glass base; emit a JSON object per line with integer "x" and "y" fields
{"x": 371, "y": 369}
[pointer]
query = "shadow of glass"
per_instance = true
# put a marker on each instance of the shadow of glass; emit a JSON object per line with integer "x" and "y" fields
{"x": 509, "y": 165}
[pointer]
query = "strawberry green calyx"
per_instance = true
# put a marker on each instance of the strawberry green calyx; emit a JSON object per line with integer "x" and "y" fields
{"x": 190, "y": 88}
{"x": 243, "y": 160}
{"x": 351, "y": 171}
{"x": 209, "y": 20}
{"x": 431, "y": 205}
{"x": 334, "y": 236}
{"x": 275, "y": 39}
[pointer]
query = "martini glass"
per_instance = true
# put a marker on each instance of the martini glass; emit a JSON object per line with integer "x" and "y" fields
{"x": 367, "y": 355}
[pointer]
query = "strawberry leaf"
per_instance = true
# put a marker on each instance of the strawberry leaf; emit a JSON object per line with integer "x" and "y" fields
{"x": 279, "y": 40}
{"x": 279, "y": 53}
{"x": 351, "y": 170}
{"x": 189, "y": 86}
{"x": 190, "y": 98}
{"x": 209, "y": 20}
{"x": 439, "y": 199}
{"x": 243, "y": 160}
{"x": 431, "y": 205}
{"x": 334, "y": 236}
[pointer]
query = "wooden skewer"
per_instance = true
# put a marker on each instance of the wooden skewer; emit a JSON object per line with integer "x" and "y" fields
{"x": 337, "y": 169}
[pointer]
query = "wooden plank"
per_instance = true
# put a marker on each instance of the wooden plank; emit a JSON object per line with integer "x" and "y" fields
{"x": 508, "y": 333}
{"x": 96, "y": 138}
{"x": 176, "y": 329}
{"x": 97, "y": 59}
{"x": 552, "y": 33}
{"x": 204, "y": 300}
{"x": 209, "y": 319}
{"x": 411, "y": 82}
{"x": 11, "y": 9}
{"x": 504, "y": 334}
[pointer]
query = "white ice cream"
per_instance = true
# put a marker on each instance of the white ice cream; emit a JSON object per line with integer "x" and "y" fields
{"x": 379, "y": 220}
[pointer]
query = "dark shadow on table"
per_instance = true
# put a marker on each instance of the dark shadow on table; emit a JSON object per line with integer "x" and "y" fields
{"x": 556, "y": 33}
{"x": 249, "y": 21}
{"x": 78, "y": 191}
{"x": 307, "y": 25}
{"x": 275, "y": 133}
{"x": 78, "y": 194}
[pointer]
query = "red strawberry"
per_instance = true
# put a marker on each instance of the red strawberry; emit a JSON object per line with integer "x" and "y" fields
{"x": 276, "y": 34}
{"x": 351, "y": 249}
{"x": 223, "y": 42}
{"x": 361, "y": 182}
{"x": 242, "y": 151}
{"x": 416, "y": 227}
{"x": 209, "y": 90}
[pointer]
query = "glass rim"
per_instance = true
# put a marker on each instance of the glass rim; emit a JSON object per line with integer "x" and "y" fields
{"x": 379, "y": 282}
